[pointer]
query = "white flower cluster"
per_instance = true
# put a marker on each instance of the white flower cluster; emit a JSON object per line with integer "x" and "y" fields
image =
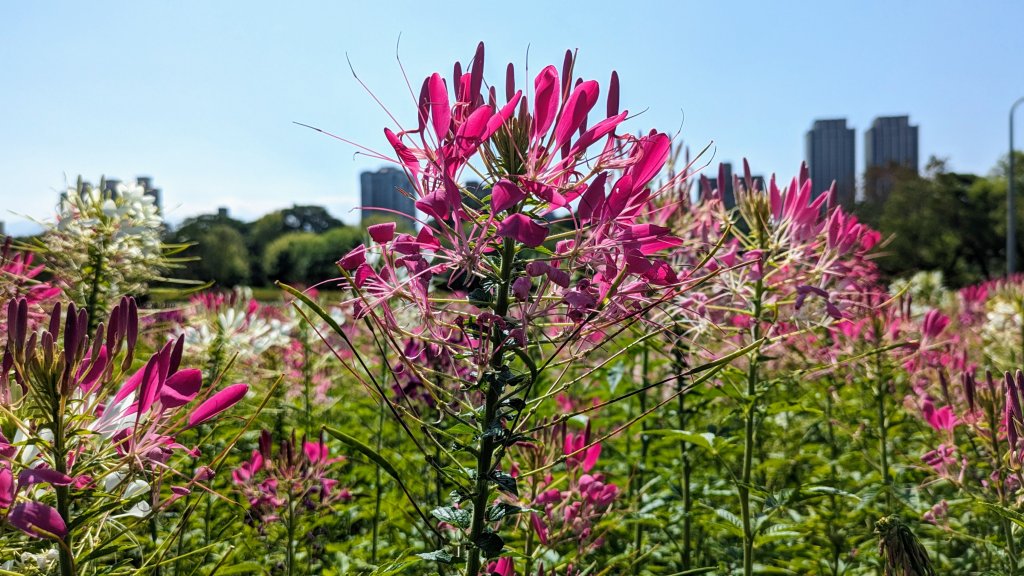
{"x": 927, "y": 290}
{"x": 105, "y": 245}
{"x": 1001, "y": 332}
{"x": 233, "y": 326}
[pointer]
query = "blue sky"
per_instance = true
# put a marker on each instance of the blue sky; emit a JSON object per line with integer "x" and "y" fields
{"x": 201, "y": 95}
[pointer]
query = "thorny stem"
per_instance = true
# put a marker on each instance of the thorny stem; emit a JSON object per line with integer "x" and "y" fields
{"x": 60, "y": 463}
{"x": 685, "y": 457}
{"x": 638, "y": 482}
{"x": 94, "y": 287}
{"x": 883, "y": 426}
{"x": 291, "y": 533}
{"x": 492, "y": 397}
{"x": 748, "y": 439}
{"x": 1011, "y": 546}
{"x": 377, "y": 486}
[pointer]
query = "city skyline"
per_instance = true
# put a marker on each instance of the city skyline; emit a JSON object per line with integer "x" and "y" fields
{"x": 206, "y": 106}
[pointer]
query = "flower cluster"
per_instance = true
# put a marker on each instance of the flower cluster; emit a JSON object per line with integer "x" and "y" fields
{"x": 91, "y": 434}
{"x": 104, "y": 245}
{"x": 295, "y": 477}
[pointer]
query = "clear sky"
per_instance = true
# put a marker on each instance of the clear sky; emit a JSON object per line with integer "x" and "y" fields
{"x": 201, "y": 95}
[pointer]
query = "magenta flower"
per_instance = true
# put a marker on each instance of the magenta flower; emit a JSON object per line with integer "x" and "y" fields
{"x": 37, "y": 520}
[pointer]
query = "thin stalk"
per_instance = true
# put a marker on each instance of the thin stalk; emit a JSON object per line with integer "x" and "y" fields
{"x": 94, "y": 287}
{"x": 291, "y": 534}
{"x": 684, "y": 454}
{"x": 492, "y": 397}
{"x": 638, "y": 537}
{"x": 60, "y": 463}
{"x": 834, "y": 536}
{"x": 378, "y": 486}
{"x": 748, "y": 436}
{"x": 883, "y": 427}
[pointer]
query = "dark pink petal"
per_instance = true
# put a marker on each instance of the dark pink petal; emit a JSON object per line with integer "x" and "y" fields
{"x": 600, "y": 130}
{"x": 654, "y": 153}
{"x": 96, "y": 367}
{"x": 6, "y": 449}
{"x": 181, "y": 388}
{"x": 590, "y": 457}
{"x": 593, "y": 199}
{"x": 661, "y": 274}
{"x": 503, "y": 115}
{"x": 473, "y": 131}
{"x": 43, "y": 476}
{"x": 574, "y": 114}
{"x": 558, "y": 277}
{"x": 539, "y": 528}
{"x": 37, "y": 520}
{"x": 6, "y": 487}
{"x": 427, "y": 240}
{"x": 545, "y": 100}
{"x": 315, "y": 451}
{"x": 476, "y": 72}
{"x": 521, "y": 288}
{"x": 440, "y": 111}
{"x": 405, "y": 155}
{"x": 435, "y": 204}
{"x": 363, "y": 273}
{"x": 613, "y": 94}
{"x": 354, "y": 258}
{"x": 217, "y": 403}
{"x": 505, "y": 195}
{"x": 382, "y": 233}
{"x": 522, "y": 228}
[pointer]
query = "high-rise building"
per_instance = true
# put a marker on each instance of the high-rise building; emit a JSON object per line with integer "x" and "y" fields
{"x": 110, "y": 187}
{"x": 890, "y": 146}
{"x": 727, "y": 188}
{"x": 383, "y": 189}
{"x": 829, "y": 151}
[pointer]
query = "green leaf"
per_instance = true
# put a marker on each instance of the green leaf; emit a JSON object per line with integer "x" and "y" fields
{"x": 702, "y": 439}
{"x": 365, "y": 451}
{"x": 438, "y": 556}
{"x": 1011, "y": 515}
{"x": 452, "y": 515}
{"x": 505, "y": 483}
{"x": 501, "y": 510}
{"x": 490, "y": 544}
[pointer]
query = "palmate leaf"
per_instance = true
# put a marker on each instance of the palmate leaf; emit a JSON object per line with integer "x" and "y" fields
{"x": 452, "y": 515}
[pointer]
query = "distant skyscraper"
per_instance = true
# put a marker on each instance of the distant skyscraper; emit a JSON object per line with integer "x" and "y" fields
{"x": 381, "y": 189}
{"x": 727, "y": 188}
{"x": 889, "y": 145}
{"x": 829, "y": 150}
{"x": 145, "y": 182}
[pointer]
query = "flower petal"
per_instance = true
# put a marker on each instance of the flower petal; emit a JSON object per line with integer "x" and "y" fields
{"x": 522, "y": 228}
{"x": 217, "y": 403}
{"x": 37, "y": 520}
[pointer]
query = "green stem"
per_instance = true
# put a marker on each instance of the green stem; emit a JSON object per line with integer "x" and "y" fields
{"x": 492, "y": 397}
{"x": 94, "y": 287}
{"x": 883, "y": 427}
{"x": 684, "y": 452}
{"x": 60, "y": 464}
{"x": 638, "y": 538}
{"x": 377, "y": 486}
{"x": 291, "y": 534}
{"x": 748, "y": 437}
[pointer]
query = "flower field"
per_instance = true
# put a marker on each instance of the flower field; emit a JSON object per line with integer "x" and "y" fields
{"x": 594, "y": 368}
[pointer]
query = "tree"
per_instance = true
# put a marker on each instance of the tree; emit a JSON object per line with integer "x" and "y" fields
{"x": 218, "y": 248}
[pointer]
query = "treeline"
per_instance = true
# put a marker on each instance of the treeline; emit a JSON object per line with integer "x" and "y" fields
{"x": 947, "y": 221}
{"x": 297, "y": 245}
{"x": 939, "y": 220}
